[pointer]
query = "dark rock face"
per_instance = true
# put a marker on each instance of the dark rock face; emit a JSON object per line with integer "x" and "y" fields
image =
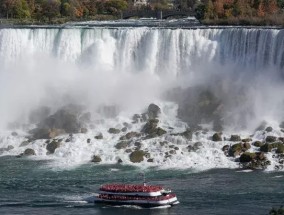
{"x": 270, "y": 139}
{"x": 96, "y": 159}
{"x": 266, "y": 147}
{"x": 235, "y": 138}
{"x": 121, "y": 145}
{"x": 150, "y": 160}
{"x": 255, "y": 160}
{"x": 217, "y": 137}
{"x": 153, "y": 111}
{"x": 269, "y": 129}
{"x": 258, "y": 143}
{"x": 137, "y": 156}
{"x": 237, "y": 149}
{"x": 99, "y": 137}
{"x": 29, "y": 152}
{"x": 114, "y": 131}
{"x": 280, "y": 149}
{"x": 52, "y": 146}
{"x": 152, "y": 130}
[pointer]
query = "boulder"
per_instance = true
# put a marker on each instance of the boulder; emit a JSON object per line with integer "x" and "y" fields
{"x": 235, "y": 138}
{"x": 46, "y": 133}
{"x": 84, "y": 130}
{"x": 132, "y": 134}
{"x": 266, "y": 147}
{"x": 258, "y": 143}
{"x": 29, "y": 152}
{"x": 238, "y": 148}
{"x": 138, "y": 145}
{"x": 150, "y": 126}
{"x": 52, "y": 146}
{"x": 121, "y": 145}
{"x": 24, "y": 143}
{"x": 269, "y": 129}
{"x": 246, "y": 140}
{"x": 114, "y": 131}
{"x": 280, "y": 149}
{"x": 270, "y": 139}
{"x": 119, "y": 160}
{"x": 255, "y": 160}
{"x": 88, "y": 140}
{"x": 153, "y": 111}
{"x": 99, "y": 136}
{"x": 96, "y": 159}
{"x": 226, "y": 148}
{"x": 217, "y": 137}
{"x": 137, "y": 156}
{"x": 247, "y": 157}
{"x": 128, "y": 150}
{"x": 124, "y": 129}
{"x": 150, "y": 160}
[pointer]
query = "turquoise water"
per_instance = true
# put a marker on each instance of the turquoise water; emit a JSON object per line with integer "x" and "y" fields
{"x": 33, "y": 187}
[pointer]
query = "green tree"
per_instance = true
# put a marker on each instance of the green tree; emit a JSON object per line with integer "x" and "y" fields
{"x": 50, "y": 8}
{"x": 21, "y": 9}
{"x": 115, "y": 6}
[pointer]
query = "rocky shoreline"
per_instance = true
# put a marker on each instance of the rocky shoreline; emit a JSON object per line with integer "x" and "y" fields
{"x": 59, "y": 129}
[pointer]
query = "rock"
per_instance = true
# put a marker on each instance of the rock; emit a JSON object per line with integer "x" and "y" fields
{"x": 194, "y": 147}
{"x": 14, "y": 134}
{"x": 64, "y": 119}
{"x": 246, "y": 146}
{"x": 266, "y": 147}
{"x": 176, "y": 148}
{"x": 96, "y": 159}
{"x": 217, "y": 137}
{"x": 153, "y": 111}
{"x": 258, "y": 143}
{"x": 124, "y": 129}
{"x": 52, "y": 146}
{"x": 121, "y": 145}
{"x": 150, "y": 126}
{"x": 136, "y": 118}
{"x": 29, "y": 152}
{"x": 99, "y": 136}
{"x": 138, "y": 145}
{"x": 235, "y": 138}
{"x": 88, "y": 140}
{"x": 159, "y": 131}
{"x": 137, "y": 156}
{"x": 84, "y": 130}
{"x": 132, "y": 134}
{"x": 119, "y": 160}
{"x": 247, "y": 140}
{"x": 24, "y": 143}
{"x": 128, "y": 151}
{"x": 147, "y": 155}
{"x": 150, "y": 160}
{"x": 163, "y": 143}
{"x": 114, "y": 131}
{"x": 281, "y": 139}
{"x": 46, "y": 133}
{"x": 187, "y": 134}
{"x": 270, "y": 139}
{"x": 226, "y": 148}
{"x": 172, "y": 152}
{"x": 280, "y": 149}
{"x": 269, "y": 129}
{"x": 281, "y": 125}
{"x": 235, "y": 150}
{"x": 247, "y": 157}
{"x": 10, "y": 147}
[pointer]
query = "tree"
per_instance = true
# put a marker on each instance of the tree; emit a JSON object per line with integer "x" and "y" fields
{"x": 50, "y": 8}
{"x": 271, "y": 6}
{"x": 115, "y": 6}
{"x": 209, "y": 12}
{"x": 21, "y": 9}
{"x": 261, "y": 9}
{"x": 8, "y": 6}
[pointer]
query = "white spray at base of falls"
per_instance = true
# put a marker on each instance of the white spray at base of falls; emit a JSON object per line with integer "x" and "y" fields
{"x": 132, "y": 67}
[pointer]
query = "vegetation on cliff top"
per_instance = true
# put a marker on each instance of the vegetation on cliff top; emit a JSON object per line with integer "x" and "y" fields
{"x": 235, "y": 12}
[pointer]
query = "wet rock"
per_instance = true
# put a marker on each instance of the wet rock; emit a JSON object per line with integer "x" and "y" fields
{"x": 96, "y": 159}
{"x": 128, "y": 151}
{"x": 136, "y": 118}
{"x": 258, "y": 143}
{"x": 52, "y": 146}
{"x": 24, "y": 143}
{"x": 172, "y": 152}
{"x": 247, "y": 140}
{"x": 176, "y": 148}
{"x": 270, "y": 139}
{"x": 247, "y": 157}
{"x": 147, "y": 155}
{"x": 238, "y": 148}
{"x": 138, "y": 145}
{"x": 194, "y": 147}
{"x": 266, "y": 147}
{"x": 46, "y": 133}
{"x": 84, "y": 130}
{"x": 281, "y": 139}
{"x": 119, "y": 160}
{"x": 235, "y": 138}
{"x": 226, "y": 148}
{"x": 269, "y": 129}
{"x": 281, "y": 125}
{"x": 153, "y": 111}
{"x": 99, "y": 136}
{"x": 121, "y": 145}
{"x": 280, "y": 149}
{"x": 114, "y": 131}
{"x": 88, "y": 140}
{"x": 150, "y": 126}
{"x": 150, "y": 160}
{"x": 187, "y": 134}
{"x": 163, "y": 143}
{"x": 217, "y": 137}
{"x": 10, "y": 147}
{"x": 124, "y": 129}
{"x": 132, "y": 134}
{"x": 29, "y": 152}
{"x": 137, "y": 156}
{"x": 255, "y": 160}
{"x": 14, "y": 134}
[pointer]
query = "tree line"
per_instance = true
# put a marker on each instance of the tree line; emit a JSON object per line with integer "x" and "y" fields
{"x": 209, "y": 11}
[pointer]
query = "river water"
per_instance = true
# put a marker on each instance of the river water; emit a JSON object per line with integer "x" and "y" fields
{"x": 31, "y": 187}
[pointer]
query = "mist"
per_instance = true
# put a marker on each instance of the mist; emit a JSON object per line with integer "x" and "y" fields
{"x": 239, "y": 72}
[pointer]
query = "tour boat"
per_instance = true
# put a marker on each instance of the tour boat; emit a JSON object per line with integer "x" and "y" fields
{"x": 135, "y": 194}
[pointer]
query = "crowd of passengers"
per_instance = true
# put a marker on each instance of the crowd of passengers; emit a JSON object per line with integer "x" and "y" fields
{"x": 124, "y": 188}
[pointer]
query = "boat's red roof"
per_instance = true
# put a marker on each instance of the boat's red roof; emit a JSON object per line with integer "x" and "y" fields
{"x": 124, "y": 188}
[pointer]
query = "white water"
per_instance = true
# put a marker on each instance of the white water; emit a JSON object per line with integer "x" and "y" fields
{"x": 132, "y": 67}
